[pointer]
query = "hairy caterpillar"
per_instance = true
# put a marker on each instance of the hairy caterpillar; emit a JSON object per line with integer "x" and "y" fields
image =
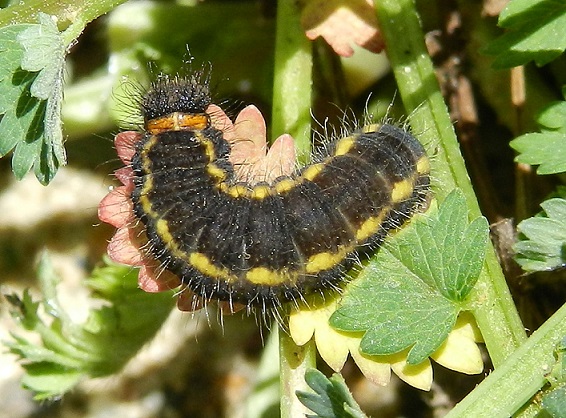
{"x": 265, "y": 243}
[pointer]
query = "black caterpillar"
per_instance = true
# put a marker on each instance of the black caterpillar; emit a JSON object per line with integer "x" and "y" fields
{"x": 263, "y": 244}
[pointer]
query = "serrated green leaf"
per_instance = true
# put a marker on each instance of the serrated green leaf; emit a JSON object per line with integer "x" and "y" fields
{"x": 331, "y": 399}
{"x": 40, "y": 354}
{"x": 396, "y": 309}
{"x": 24, "y": 156}
{"x": 443, "y": 250}
{"x": 49, "y": 381}
{"x": 44, "y": 52}
{"x": 543, "y": 242}
{"x": 25, "y": 310}
{"x": 410, "y": 294}
{"x": 100, "y": 346}
{"x": 16, "y": 102}
{"x": 30, "y": 98}
{"x": 546, "y": 149}
{"x": 536, "y": 31}
{"x": 553, "y": 117}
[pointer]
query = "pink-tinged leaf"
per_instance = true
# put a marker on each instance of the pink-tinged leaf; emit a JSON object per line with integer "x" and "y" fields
{"x": 343, "y": 23}
{"x": 250, "y": 154}
{"x": 123, "y": 249}
{"x": 249, "y": 142}
{"x": 220, "y": 121}
{"x": 153, "y": 281}
{"x": 125, "y": 143}
{"x": 116, "y": 208}
{"x": 125, "y": 175}
{"x": 281, "y": 157}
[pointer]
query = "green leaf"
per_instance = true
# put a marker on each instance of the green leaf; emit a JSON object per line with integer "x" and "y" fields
{"x": 68, "y": 350}
{"x": 536, "y": 30}
{"x": 331, "y": 399}
{"x": 397, "y": 310}
{"x": 443, "y": 250}
{"x": 557, "y": 376}
{"x": 410, "y": 294}
{"x": 48, "y": 380}
{"x": 26, "y": 310}
{"x": 553, "y": 117}
{"x": 31, "y": 91}
{"x": 44, "y": 52}
{"x": 542, "y": 245}
{"x": 546, "y": 149}
{"x": 554, "y": 402}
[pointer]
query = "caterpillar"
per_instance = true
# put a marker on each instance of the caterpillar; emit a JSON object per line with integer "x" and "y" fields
{"x": 263, "y": 244}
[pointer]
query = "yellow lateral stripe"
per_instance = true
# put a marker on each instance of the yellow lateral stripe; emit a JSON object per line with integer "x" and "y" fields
{"x": 267, "y": 277}
{"x": 162, "y": 228}
{"x": 236, "y": 191}
{"x": 345, "y": 145}
{"x": 161, "y": 225}
{"x": 148, "y": 180}
{"x": 326, "y": 260}
{"x": 372, "y": 127}
{"x": 402, "y": 190}
{"x": 212, "y": 169}
{"x": 423, "y": 165}
{"x": 371, "y": 226}
{"x": 285, "y": 185}
{"x": 311, "y": 172}
{"x": 208, "y": 145}
{"x": 144, "y": 200}
{"x": 216, "y": 172}
{"x": 261, "y": 192}
{"x": 204, "y": 265}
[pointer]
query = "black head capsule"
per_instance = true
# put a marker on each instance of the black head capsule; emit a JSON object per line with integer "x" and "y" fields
{"x": 166, "y": 95}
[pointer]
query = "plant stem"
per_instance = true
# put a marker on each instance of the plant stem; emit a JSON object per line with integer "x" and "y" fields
{"x": 293, "y": 79}
{"x": 291, "y": 114}
{"x": 492, "y": 304}
{"x": 510, "y": 386}
{"x": 294, "y": 362}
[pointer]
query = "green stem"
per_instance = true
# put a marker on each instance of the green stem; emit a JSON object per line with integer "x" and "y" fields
{"x": 493, "y": 306}
{"x": 265, "y": 393}
{"x": 293, "y": 79}
{"x": 511, "y": 385}
{"x": 294, "y": 362}
{"x": 72, "y": 15}
{"x": 291, "y": 114}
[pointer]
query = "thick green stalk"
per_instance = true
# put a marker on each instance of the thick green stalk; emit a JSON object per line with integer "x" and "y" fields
{"x": 294, "y": 362}
{"x": 292, "y": 82}
{"x": 291, "y": 114}
{"x": 510, "y": 386}
{"x": 491, "y": 304}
